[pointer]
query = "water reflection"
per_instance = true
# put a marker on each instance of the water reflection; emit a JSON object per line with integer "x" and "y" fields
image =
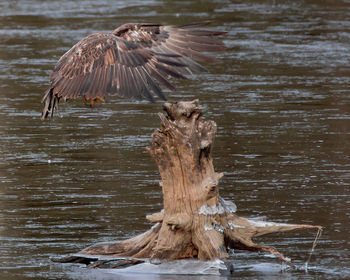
{"x": 280, "y": 99}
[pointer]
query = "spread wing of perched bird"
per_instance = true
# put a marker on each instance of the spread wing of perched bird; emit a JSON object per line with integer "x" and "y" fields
{"x": 133, "y": 61}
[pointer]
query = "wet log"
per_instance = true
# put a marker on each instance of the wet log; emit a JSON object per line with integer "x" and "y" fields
{"x": 196, "y": 222}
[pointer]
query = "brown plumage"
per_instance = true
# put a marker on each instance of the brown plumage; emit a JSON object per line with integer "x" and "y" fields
{"x": 132, "y": 61}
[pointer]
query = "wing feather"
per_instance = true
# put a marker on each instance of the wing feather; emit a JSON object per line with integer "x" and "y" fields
{"x": 132, "y": 61}
{"x": 156, "y": 75}
{"x": 95, "y": 85}
{"x": 190, "y": 53}
{"x": 168, "y": 71}
{"x": 151, "y": 83}
{"x": 143, "y": 84}
{"x": 132, "y": 89}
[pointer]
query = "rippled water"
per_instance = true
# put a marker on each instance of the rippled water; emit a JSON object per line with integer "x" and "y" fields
{"x": 280, "y": 99}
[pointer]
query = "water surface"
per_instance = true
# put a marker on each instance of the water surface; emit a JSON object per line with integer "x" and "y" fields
{"x": 280, "y": 98}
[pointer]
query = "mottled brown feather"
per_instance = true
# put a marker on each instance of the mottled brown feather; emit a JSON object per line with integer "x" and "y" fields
{"x": 130, "y": 62}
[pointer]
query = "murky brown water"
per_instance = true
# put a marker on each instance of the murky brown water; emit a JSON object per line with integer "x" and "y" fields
{"x": 280, "y": 99}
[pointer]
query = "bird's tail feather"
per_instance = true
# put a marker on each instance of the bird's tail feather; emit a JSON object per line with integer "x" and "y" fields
{"x": 50, "y": 104}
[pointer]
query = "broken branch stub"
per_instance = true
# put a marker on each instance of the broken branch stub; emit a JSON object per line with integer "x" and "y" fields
{"x": 196, "y": 222}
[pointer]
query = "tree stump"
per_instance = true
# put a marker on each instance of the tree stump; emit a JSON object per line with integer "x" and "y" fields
{"x": 195, "y": 222}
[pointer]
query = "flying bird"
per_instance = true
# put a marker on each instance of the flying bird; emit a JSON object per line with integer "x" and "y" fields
{"x": 133, "y": 61}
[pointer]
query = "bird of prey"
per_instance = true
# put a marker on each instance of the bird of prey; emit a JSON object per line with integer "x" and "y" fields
{"x": 132, "y": 62}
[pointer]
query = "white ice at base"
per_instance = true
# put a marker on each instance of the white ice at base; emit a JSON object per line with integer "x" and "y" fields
{"x": 222, "y": 207}
{"x": 211, "y": 210}
{"x": 175, "y": 267}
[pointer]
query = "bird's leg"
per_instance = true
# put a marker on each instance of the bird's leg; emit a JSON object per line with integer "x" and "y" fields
{"x": 92, "y": 101}
{"x": 99, "y": 99}
{"x": 85, "y": 99}
{"x": 88, "y": 101}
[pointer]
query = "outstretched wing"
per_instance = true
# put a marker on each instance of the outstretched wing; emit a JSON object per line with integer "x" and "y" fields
{"x": 104, "y": 64}
{"x": 131, "y": 62}
{"x": 184, "y": 41}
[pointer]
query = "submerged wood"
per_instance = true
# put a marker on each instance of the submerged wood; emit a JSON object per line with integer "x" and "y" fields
{"x": 195, "y": 222}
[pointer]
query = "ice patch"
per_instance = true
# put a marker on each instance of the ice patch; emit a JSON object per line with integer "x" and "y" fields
{"x": 175, "y": 267}
{"x": 233, "y": 226}
{"x": 211, "y": 210}
{"x": 268, "y": 224}
{"x": 228, "y": 205}
{"x": 206, "y": 227}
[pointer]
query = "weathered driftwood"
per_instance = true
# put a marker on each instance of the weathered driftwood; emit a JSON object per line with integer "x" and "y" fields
{"x": 196, "y": 222}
